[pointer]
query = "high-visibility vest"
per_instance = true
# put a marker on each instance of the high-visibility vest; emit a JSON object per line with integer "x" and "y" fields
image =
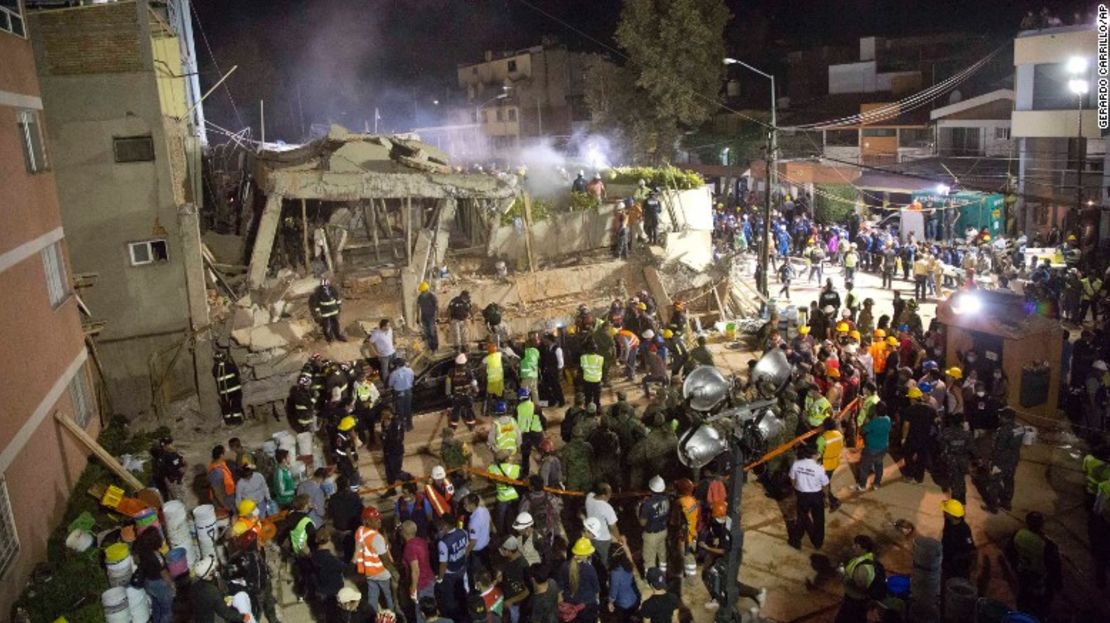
{"x": 505, "y": 491}
{"x": 592, "y": 366}
{"x": 530, "y": 363}
{"x": 505, "y": 437}
{"x": 229, "y": 482}
{"x": 850, "y": 259}
{"x": 1090, "y": 287}
{"x": 366, "y": 392}
{"x": 226, "y": 380}
{"x": 1030, "y": 548}
{"x": 850, "y": 587}
{"x": 367, "y": 559}
{"x": 440, "y": 500}
{"x": 878, "y": 356}
{"x": 866, "y": 406}
{"x": 328, "y": 307}
{"x": 831, "y": 443}
{"x": 689, "y": 506}
{"x": 526, "y": 417}
{"x": 817, "y": 411}
{"x": 1104, "y": 490}
{"x": 494, "y": 371}
{"x": 633, "y": 341}
{"x": 1096, "y": 470}
{"x": 298, "y": 536}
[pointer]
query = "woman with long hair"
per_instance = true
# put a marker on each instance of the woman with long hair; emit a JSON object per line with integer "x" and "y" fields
{"x": 581, "y": 587}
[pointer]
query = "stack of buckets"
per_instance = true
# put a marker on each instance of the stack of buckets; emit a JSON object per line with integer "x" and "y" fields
{"x": 117, "y": 561}
{"x": 183, "y": 552}
{"x": 122, "y": 602}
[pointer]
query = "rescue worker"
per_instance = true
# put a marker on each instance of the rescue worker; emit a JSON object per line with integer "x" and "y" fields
{"x": 579, "y": 183}
{"x": 228, "y": 387}
{"x": 495, "y": 375}
{"x": 366, "y": 396}
{"x": 577, "y": 457}
{"x": 302, "y": 542}
{"x": 326, "y": 304}
{"x": 956, "y": 454}
{"x": 817, "y": 407}
{"x": 1035, "y": 560}
{"x": 700, "y": 355}
{"x": 1004, "y": 458}
{"x": 427, "y": 307}
{"x": 653, "y": 453}
{"x": 862, "y": 576}
{"x": 221, "y": 482}
{"x": 301, "y": 407}
{"x": 439, "y": 492}
{"x": 530, "y": 425}
{"x": 503, "y": 433}
{"x": 505, "y": 465}
{"x": 249, "y": 566}
{"x": 461, "y": 385}
{"x": 851, "y": 301}
{"x": 373, "y": 560}
{"x": 393, "y": 448}
{"x": 652, "y": 513}
{"x": 206, "y": 597}
{"x": 530, "y": 364}
{"x": 459, "y": 310}
{"x": 652, "y": 210}
{"x": 344, "y": 445}
{"x": 829, "y": 446}
{"x": 917, "y": 435}
{"x": 593, "y": 366}
{"x": 551, "y": 370}
{"x": 957, "y": 545}
{"x": 1090, "y": 293}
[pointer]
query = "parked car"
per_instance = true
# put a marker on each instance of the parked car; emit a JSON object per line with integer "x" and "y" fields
{"x": 429, "y": 389}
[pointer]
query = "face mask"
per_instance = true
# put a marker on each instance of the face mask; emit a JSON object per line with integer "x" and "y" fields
{"x": 997, "y": 375}
{"x": 852, "y": 348}
{"x": 971, "y": 359}
{"x": 980, "y": 394}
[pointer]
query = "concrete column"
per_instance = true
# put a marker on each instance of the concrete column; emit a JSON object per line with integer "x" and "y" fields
{"x": 196, "y": 294}
{"x": 409, "y": 282}
{"x": 264, "y": 241}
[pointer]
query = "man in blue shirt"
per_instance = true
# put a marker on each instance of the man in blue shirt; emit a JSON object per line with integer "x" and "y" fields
{"x": 400, "y": 381}
{"x": 451, "y": 578}
{"x": 478, "y": 529}
{"x": 653, "y": 518}
{"x": 876, "y": 441}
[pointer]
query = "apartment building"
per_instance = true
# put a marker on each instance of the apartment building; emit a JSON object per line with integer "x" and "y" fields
{"x": 45, "y": 366}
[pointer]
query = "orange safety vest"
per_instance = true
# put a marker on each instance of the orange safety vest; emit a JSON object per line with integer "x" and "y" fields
{"x": 229, "y": 482}
{"x": 878, "y": 356}
{"x": 440, "y": 500}
{"x": 689, "y": 506}
{"x": 368, "y": 561}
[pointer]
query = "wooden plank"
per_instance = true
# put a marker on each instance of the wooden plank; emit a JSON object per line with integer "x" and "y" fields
{"x": 528, "y": 233}
{"x": 304, "y": 236}
{"x": 105, "y": 457}
{"x": 374, "y": 228}
{"x": 406, "y": 219}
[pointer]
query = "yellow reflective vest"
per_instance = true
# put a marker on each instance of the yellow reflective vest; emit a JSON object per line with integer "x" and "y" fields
{"x": 592, "y": 365}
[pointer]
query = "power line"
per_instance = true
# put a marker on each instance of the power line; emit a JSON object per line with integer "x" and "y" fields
{"x": 204, "y": 36}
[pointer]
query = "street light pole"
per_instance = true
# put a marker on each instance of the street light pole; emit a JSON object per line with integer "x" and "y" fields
{"x": 1078, "y": 85}
{"x": 772, "y": 178}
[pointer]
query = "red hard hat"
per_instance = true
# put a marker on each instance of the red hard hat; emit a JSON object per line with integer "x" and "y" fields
{"x": 719, "y": 509}
{"x": 370, "y": 513}
{"x": 546, "y": 446}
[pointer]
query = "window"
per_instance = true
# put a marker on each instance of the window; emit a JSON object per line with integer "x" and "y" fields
{"x": 30, "y": 134}
{"x": 148, "y": 252}
{"x": 11, "y": 18}
{"x": 133, "y": 148}
{"x": 9, "y": 540}
{"x": 500, "y": 115}
{"x": 1050, "y": 88}
{"x": 79, "y": 393}
{"x": 1002, "y": 134}
{"x": 842, "y": 138}
{"x": 512, "y": 114}
{"x": 914, "y": 137}
{"x": 879, "y": 132}
{"x": 512, "y": 65}
{"x": 57, "y": 283}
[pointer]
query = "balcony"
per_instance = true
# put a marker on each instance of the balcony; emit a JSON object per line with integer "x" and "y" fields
{"x": 1053, "y": 124}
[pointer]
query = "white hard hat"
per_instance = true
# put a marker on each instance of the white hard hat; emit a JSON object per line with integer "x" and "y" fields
{"x": 656, "y": 485}
{"x": 1099, "y": 365}
{"x": 592, "y": 526}
{"x": 649, "y": 334}
{"x": 204, "y": 567}
{"x": 829, "y": 309}
{"x": 461, "y": 359}
{"x": 438, "y": 473}
{"x": 523, "y": 521}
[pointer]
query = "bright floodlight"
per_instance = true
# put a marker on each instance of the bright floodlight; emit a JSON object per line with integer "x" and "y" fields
{"x": 966, "y": 303}
{"x": 1079, "y": 87}
{"x": 731, "y": 61}
{"x": 1077, "y": 65}
{"x": 942, "y": 189}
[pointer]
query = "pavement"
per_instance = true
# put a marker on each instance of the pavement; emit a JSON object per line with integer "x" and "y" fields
{"x": 800, "y": 583}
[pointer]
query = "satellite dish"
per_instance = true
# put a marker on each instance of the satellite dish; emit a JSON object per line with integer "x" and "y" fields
{"x": 706, "y": 388}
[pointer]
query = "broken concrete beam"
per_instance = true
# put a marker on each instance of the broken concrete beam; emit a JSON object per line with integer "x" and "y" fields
{"x": 278, "y": 334}
{"x": 289, "y": 363}
{"x": 361, "y": 284}
{"x": 302, "y": 288}
{"x": 241, "y": 319}
{"x": 264, "y": 240}
{"x": 274, "y": 388}
{"x": 242, "y": 337}
{"x": 259, "y": 316}
{"x": 658, "y": 291}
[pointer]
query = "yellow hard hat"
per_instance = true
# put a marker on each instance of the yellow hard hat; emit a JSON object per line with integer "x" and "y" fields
{"x": 1071, "y": 237}
{"x": 855, "y": 335}
{"x": 833, "y": 373}
{"x": 423, "y": 287}
{"x": 986, "y": 237}
{"x": 955, "y": 372}
{"x": 642, "y": 306}
{"x": 572, "y": 330}
{"x": 804, "y": 329}
{"x": 914, "y": 393}
{"x": 667, "y": 334}
{"x": 893, "y": 341}
{"x": 582, "y": 547}
{"x": 246, "y": 507}
{"x": 879, "y": 333}
{"x": 953, "y": 507}
{"x": 613, "y": 331}
{"x": 842, "y": 327}
{"x": 347, "y": 423}
{"x": 241, "y": 526}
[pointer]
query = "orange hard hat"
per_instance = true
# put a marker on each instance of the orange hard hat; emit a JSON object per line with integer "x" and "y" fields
{"x": 719, "y": 509}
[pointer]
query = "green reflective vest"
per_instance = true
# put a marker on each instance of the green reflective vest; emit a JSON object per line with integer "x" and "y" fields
{"x": 506, "y": 435}
{"x": 505, "y": 491}
{"x": 530, "y": 363}
{"x": 298, "y": 537}
{"x": 527, "y": 419}
{"x": 817, "y": 411}
{"x": 856, "y": 584}
{"x": 592, "y": 365}
{"x": 494, "y": 371}
{"x": 1030, "y": 554}
{"x": 1096, "y": 470}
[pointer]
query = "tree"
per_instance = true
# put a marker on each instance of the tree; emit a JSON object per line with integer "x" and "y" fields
{"x": 672, "y": 76}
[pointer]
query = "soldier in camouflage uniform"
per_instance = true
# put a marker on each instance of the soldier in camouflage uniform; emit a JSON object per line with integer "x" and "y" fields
{"x": 608, "y": 458}
{"x": 622, "y": 420}
{"x": 571, "y": 417}
{"x": 577, "y": 460}
{"x": 455, "y": 455}
{"x": 606, "y": 347}
{"x": 955, "y": 455}
{"x": 654, "y": 453}
{"x": 587, "y": 423}
{"x": 777, "y": 469}
{"x": 1005, "y": 454}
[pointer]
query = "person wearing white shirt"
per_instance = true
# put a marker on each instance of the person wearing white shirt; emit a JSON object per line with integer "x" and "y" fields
{"x": 598, "y": 507}
{"x": 382, "y": 339}
{"x": 809, "y": 481}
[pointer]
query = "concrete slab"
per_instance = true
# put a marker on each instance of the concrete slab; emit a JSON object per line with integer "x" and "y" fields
{"x": 692, "y": 248}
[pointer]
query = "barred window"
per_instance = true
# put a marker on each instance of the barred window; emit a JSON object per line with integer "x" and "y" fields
{"x": 83, "y": 407}
{"x": 57, "y": 283}
{"x": 9, "y": 538}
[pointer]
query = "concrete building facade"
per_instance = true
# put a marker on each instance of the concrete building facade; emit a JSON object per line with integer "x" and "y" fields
{"x": 121, "y": 128}
{"x": 546, "y": 94}
{"x": 1057, "y": 133}
{"x": 977, "y": 126}
{"x": 45, "y": 366}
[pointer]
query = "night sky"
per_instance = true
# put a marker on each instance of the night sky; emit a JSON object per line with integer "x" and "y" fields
{"x": 336, "y": 60}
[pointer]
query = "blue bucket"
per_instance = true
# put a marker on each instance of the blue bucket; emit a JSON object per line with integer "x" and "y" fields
{"x": 898, "y": 585}
{"x": 1020, "y": 617}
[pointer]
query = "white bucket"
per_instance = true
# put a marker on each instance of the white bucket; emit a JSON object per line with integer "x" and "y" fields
{"x": 119, "y": 573}
{"x": 269, "y": 447}
{"x": 204, "y": 515}
{"x": 286, "y": 441}
{"x": 114, "y": 601}
{"x": 297, "y": 469}
{"x": 79, "y": 540}
{"x": 138, "y": 603}
{"x": 1030, "y": 436}
{"x": 304, "y": 443}
{"x": 175, "y": 515}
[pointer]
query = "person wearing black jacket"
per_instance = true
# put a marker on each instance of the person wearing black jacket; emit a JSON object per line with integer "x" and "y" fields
{"x": 207, "y": 599}
{"x": 920, "y": 426}
{"x": 299, "y": 533}
{"x": 249, "y": 566}
{"x": 829, "y": 296}
{"x": 328, "y": 571}
{"x": 345, "y": 511}
{"x": 168, "y": 470}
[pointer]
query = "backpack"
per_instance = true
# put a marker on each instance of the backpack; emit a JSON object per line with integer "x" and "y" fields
{"x": 459, "y": 308}
{"x": 877, "y": 588}
{"x": 492, "y": 314}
